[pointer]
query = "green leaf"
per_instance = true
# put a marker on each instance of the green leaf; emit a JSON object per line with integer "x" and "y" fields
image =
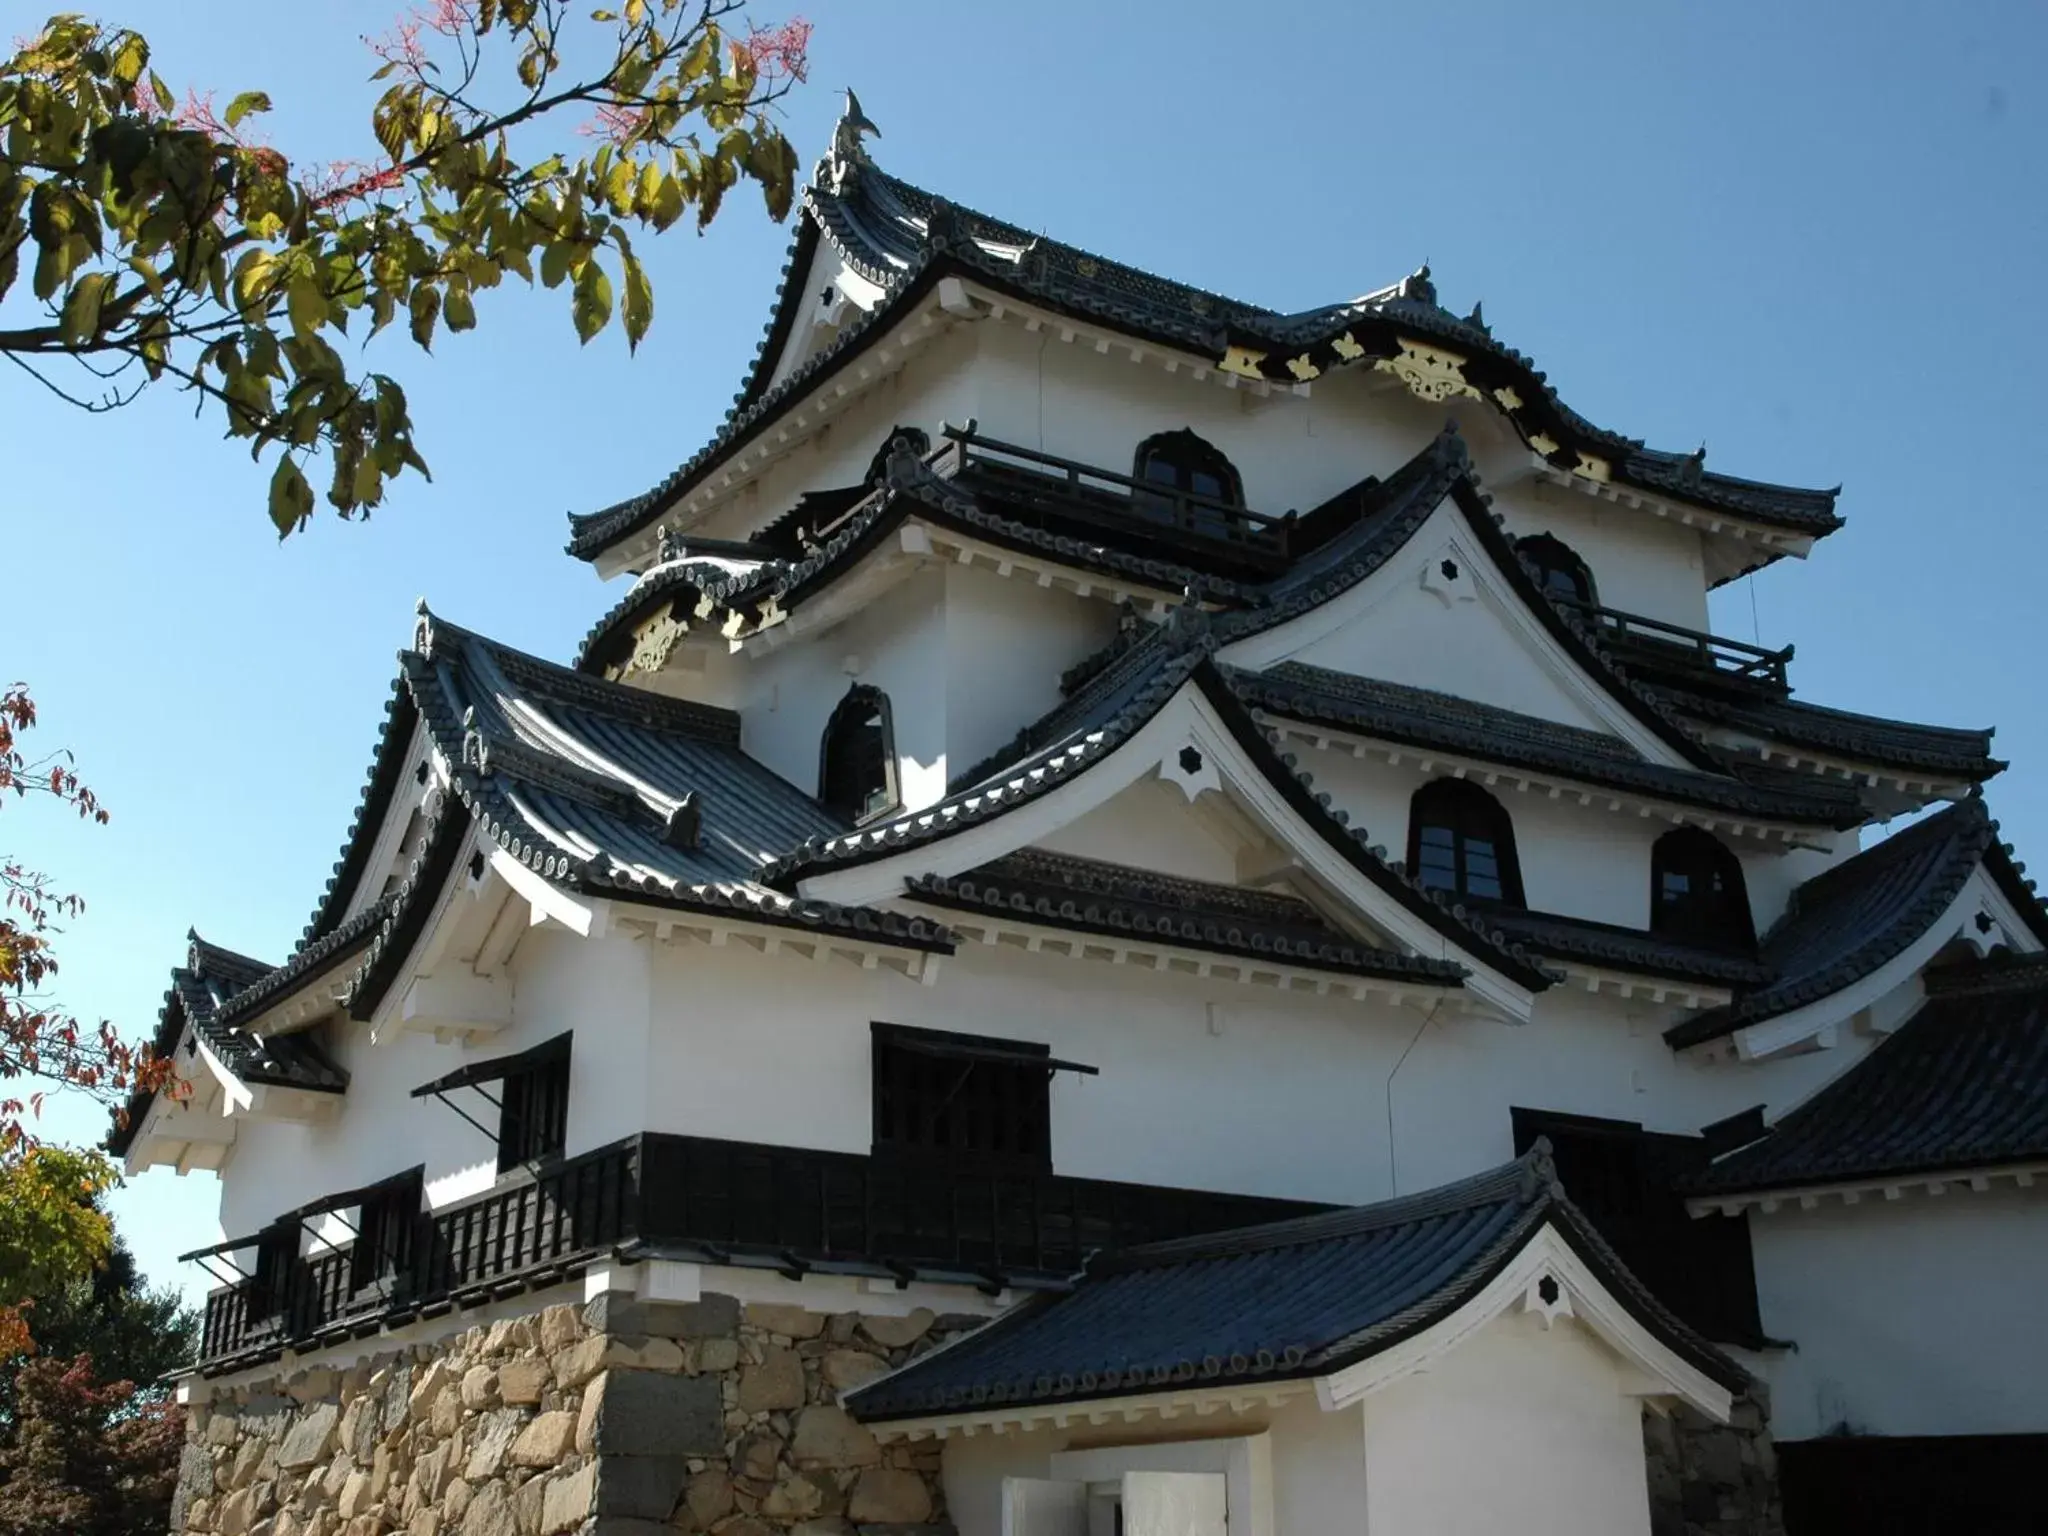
{"x": 165, "y": 101}
{"x": 244, "y": 104}
{"x": 81, "y": 318}
{"x": 556, "y": 261}
{"x": 639, "y": 311}
{"x": 458, "y": 310}
{"x": 307, "y": 306}
{"x": 592, "y": 305}
{"x": 291, "y": 498}
{"x": 130, "y": 59}
{"x": 426, "y": 307}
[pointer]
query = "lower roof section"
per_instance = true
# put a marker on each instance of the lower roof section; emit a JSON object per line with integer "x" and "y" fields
{"x": 1963, "y": 1087}
{"x": 1305, "y": 1298}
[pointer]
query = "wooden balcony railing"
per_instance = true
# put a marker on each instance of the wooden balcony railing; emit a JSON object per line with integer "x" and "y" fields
{"x": 1654, "y": 644}
{"x": 785, "y": 1208}
{"x": 1088, "y": 494}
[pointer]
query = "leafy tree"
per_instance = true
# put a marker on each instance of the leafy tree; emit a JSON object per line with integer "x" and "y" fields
{"x": 84, "y": 1459}
{"x": 133, "y": 1331}
{"x": 38, "y": 1039}
{"x": 53, "y": 1233}
{"x": 145, "y": 239}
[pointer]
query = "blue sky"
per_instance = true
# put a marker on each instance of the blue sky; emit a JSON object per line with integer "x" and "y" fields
{"x": 1813, "y": 236}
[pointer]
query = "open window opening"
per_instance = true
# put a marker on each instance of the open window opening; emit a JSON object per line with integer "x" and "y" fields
{"x": 1461, "y": 841}
{"x": 531, "y": 1100}
{"x": 1697, "y": 891}
{"x": 857, "y": 758}
{"x": 964, "y": 1096}
{"x": 1559, "y": 570}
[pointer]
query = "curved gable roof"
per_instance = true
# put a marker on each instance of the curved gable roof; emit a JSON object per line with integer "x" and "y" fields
{"x": 903, "y": 238}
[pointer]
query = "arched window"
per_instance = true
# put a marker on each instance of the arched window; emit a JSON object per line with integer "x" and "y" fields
{"x": 857, "y": 761}
{"x": 1181, "y": 461}
{"x": 1696, "y": 890}
{"x": 1559, "y": 570}
{"x": 1461, "y": 841}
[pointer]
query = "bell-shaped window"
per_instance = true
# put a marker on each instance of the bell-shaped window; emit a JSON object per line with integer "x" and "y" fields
{"x": 1696, "y": 890}
{"x": 857, "y": 761}
{"x": 1461, "y": 842}
{"x": 1181, "y": 461}
{"x": 1559, "y": 570}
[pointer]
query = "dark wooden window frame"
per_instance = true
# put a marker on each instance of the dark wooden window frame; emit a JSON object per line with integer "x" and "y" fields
{"x": 533, "y": 1112}
{"x": 387, "y": 1228}
{"x": 845, "y": 763}
{"x": 974, "y": 1107}
{"x": 1553, "y": 558}
{"x": 1467, "y": 813}
{"x": 1189, "y": 455}
{"x": 1626, "y": 1181}
{"x": 1718, "y": 914}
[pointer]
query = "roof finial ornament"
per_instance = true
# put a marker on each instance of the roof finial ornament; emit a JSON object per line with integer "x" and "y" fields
{"x": 1418, "y": 286}
{"x": 684, "y": 823}
{"x": 848, "y": 154}
{"x": 1693, "y": 466}
{"x": 668, "y": 545}
{"x": 1477, "y": 319}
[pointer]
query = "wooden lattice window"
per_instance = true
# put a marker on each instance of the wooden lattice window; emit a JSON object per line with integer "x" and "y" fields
{"x": 1181, "y": 461}
{"x": 1697, "y": 891}
{"x": 857, "y": 759}
{"x": 1627, "y": 1182}
{"x": 962, "y": 1097}
{"x": 386, "y": 1225}
{"x": 533, "y": 1112}
{"x": 1559, "y": 570}
{"x": 1461, "y": 841}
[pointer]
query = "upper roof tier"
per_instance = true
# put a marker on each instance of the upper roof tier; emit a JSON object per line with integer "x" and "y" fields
{"x": 904, "y": 239}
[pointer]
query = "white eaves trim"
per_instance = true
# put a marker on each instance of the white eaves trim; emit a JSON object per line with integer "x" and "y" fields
{"x": 1445, "y": 535}
{"x": 1807, "y": 1197}
{"x": 1186, "y": 720}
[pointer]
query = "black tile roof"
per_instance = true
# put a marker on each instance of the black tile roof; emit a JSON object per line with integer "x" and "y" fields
{"x": 1964, "y": 1084}
{"x": 903, "y": 239}
{"x": 1917, "y": 750}
{"x": 1852, "y": 918}
{"x": 1097, "y": 720}
{"x": 580, "y": 779}
{"x": 1090, "y": 896}
{"x": 1422, "y": 717}
{"x": 1293, "y": 1300}
{"x": 1557, "y": 937}
{"x": 207, "y": 992}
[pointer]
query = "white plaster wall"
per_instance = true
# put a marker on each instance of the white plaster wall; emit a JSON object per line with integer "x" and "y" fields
{"x": 1518, "y": 1429}
{"x": 1920, "y": 1316}
{"x": 1640, "y": 563}
{"x": 896, "y": 645}
{"x": 1007, "y": 642}
{"x": 1147, "y": 825}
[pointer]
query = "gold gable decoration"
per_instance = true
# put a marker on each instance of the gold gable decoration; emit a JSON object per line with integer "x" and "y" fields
{"x": 1430, "y": 373}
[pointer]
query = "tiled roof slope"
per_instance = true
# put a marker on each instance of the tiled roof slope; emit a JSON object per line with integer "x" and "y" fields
{"x": 1100, "y": 718}
{"x": 1557, "y": 937}
{"x": 1062, "y": 891}
{"x": 903, "y": 238}
{"x": 585, "y": 781}
{"x": 1425, "y": 718}
{"x": 1937, "y": 750}
{"x": 1849, "y": 920}
{"x": 1294, "y": 1300}
{"x": 206, "y": 992}
{"x": 1963, "y": 1085}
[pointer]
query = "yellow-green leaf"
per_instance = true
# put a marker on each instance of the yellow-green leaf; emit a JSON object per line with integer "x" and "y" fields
{"x": 81, "y": 318}
{"x": 591, "y": 306}
{"x": 639, "y": 307}
{"x": 307, "y": 306}
{"x": 426, "y": 306}
{"x": 457, "y": 310}
{"x": 291, "y": 498}
{"x": 244, "y": 104}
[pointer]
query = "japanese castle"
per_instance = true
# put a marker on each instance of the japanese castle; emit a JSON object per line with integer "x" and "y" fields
{"x": 1142, "y": 916}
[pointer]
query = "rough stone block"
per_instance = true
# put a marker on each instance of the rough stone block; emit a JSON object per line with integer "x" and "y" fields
{"x": 651, "y": 1413}
{"x": 775, "y": 1384}
{"x": 479, "y": 1387}
{"x": 643, "y": 1486}
{"x": 898, "y": 1332}
{"x": 311, "y": 1439}
{"x": 495, "y": 1436}
{"x": 560, "y": 1326}
{"x": 757, "y": 1456}
{"x": 830, "y": 1437}
{"x": 888, "y": 1496}
{"x": 566, "y": 1500}
{"x": 521, "y": 1382}
{"x": 397, "y": 1394}
{"x": 195, "y": 1483}
{"x": 546, "y": 1442}
{"x": 490, "y": 1512}
{"x": 645, "y": 1353}
{"x": 714, "y": 1316}
{"x": 579, "y": 1362}
{"x": 708, "y": 1497}
{"x": 846, "y": 1369}
{"x": 716, "y": 1356}
{"x": 587, "y": 1417}
{"x": 790, "y": 1322}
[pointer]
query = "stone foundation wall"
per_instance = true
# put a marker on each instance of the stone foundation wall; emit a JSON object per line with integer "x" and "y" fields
{"x": 1709, "y": 1479}
{"x": 618, "y": 1418}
